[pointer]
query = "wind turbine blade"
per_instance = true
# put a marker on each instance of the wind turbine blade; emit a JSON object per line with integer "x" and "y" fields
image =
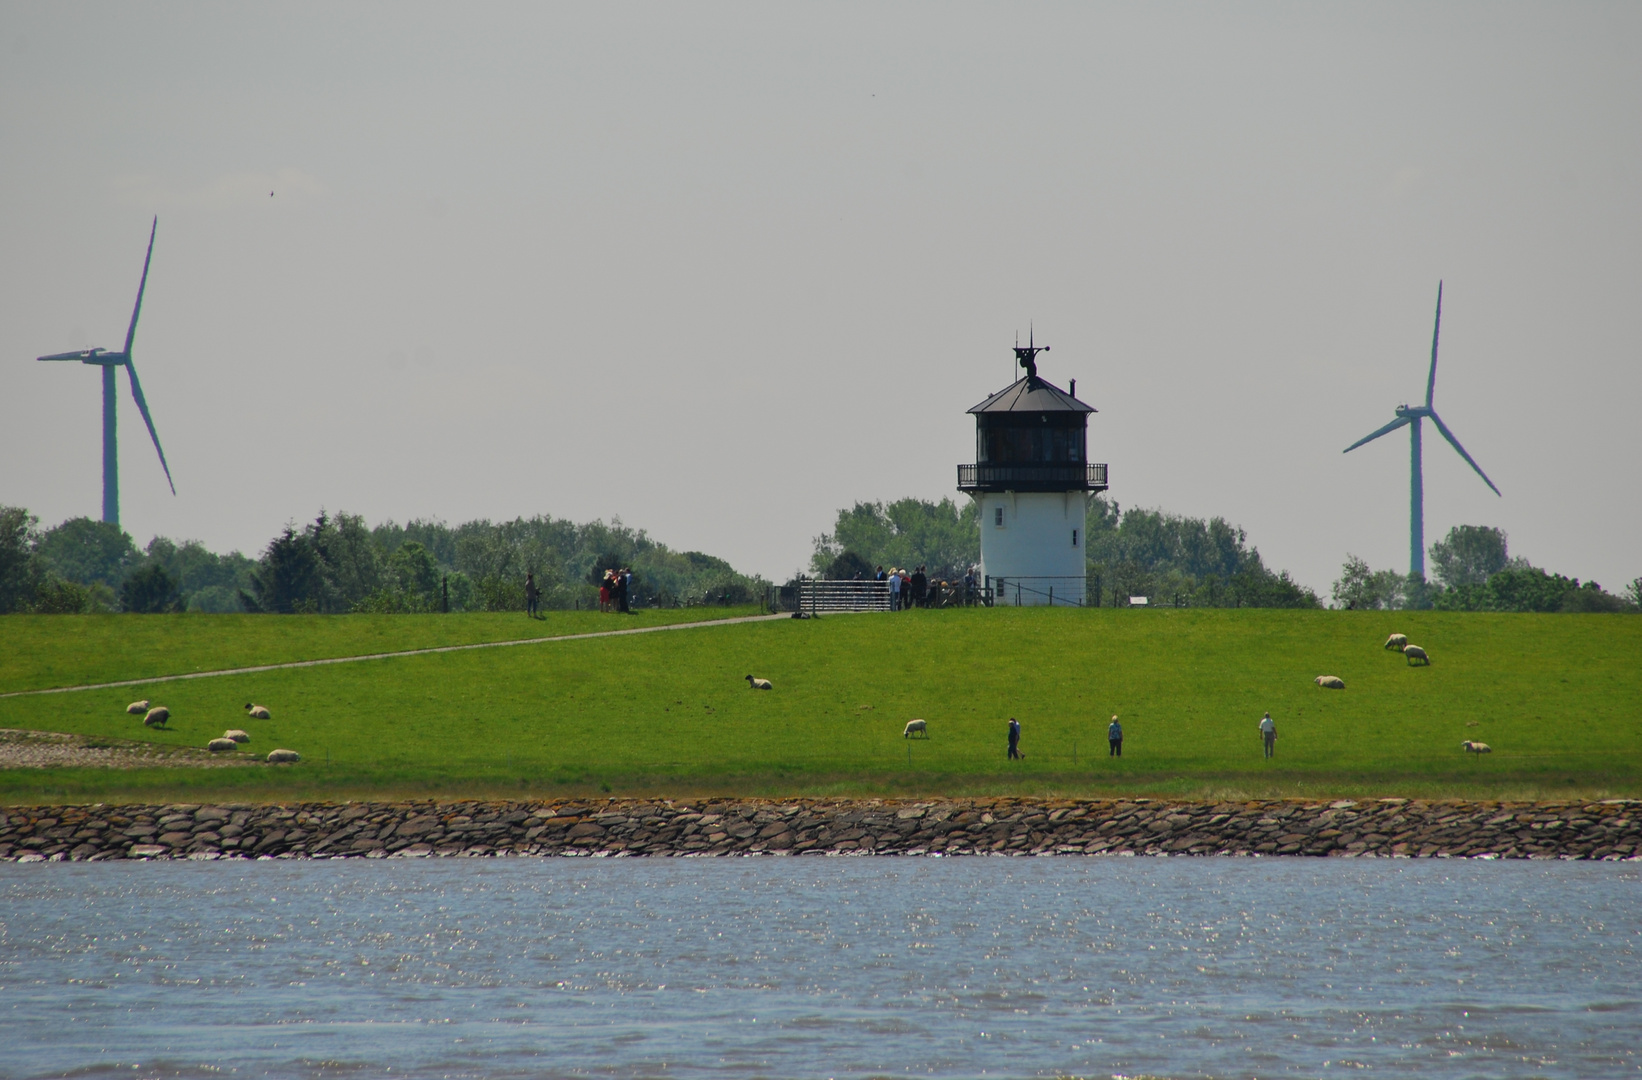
{"x": 1430, "y": 380}
{"x": 82, "y": 354}
{"x": 142, "y": 407}
{"x": 1393, "y": 426}
{"x": 1455, "y": 443}
{"x": 131, "y": 331}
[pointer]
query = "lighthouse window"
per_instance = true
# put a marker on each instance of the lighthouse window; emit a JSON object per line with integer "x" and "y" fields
{"x": 997, "y": 516}
{"x": 1074, "y": 538}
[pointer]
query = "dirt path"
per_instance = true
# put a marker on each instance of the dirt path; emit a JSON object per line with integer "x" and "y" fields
{"x": 390, "y": 655}
{"x": 55, "y": 750}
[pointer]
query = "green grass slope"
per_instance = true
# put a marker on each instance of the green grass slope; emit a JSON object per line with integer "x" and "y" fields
{"x": 1558, "y": 697}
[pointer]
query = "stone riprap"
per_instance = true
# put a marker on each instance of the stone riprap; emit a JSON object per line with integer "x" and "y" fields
{"x": 1610, "y": 829}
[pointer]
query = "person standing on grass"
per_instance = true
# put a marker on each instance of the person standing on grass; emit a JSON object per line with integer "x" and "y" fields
{"x": 1114, "y": 739}
{"x": 1268, "y": 732}
{"x": 533, "y": 597}
{"x": 624, "y": 586}
{"x": 895, "y": 590}
{"x": 1015, "y": 740}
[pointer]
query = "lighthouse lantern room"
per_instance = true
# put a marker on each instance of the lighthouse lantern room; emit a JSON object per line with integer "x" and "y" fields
{"x": 1030, "y": 479}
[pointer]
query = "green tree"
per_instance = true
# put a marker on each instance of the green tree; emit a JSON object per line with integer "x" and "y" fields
{"x": 1468, "y": 555}
{"x": 849, "y": 566}
{"x": 288, "y": 578}
{"x": 87, "y": 551}
{"x": 940, "y": 536}
{"x": 1362, "y": 589}
{"x": 149, "y": 590}
{"x": 20, "y": 572}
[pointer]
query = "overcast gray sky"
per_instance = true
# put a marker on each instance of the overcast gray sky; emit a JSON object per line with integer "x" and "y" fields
{"x": 723, "y": 269}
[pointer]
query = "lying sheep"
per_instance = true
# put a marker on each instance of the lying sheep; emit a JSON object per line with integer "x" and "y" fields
{"x": 1331, "y": 682}
{"x": 277, "y": 757}
{"x": 1414, "y": 652}
{"x": 758, "y": 684}
{"x": 257, "y": 712}
{"x": 1396, "y": 641}
{"x": 236, "y": 735}
{"x": 157, "y": 716}
{"x": 1476, "y": 747}
{"x": 916, "y": 727}
{"x": 219, "y": 745}
{"x": 137, "y": 708}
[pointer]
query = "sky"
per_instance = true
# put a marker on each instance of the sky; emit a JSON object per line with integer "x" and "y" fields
{"x": 720, "y": 270}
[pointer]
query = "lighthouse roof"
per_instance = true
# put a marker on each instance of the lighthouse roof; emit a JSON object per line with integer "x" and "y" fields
{"x": 1032, "y": 395}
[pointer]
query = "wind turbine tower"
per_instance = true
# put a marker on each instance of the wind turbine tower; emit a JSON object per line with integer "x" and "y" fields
{"x": 1411, "y": 415}
{"x": 108, "y": 361}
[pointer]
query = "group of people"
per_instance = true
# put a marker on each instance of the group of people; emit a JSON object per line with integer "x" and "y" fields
{"x": 915, "y": 589}
{"x": 615, "y": 591}
{"x": 1114, "y": 738}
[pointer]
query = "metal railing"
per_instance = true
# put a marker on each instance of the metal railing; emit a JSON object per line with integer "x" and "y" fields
{"x": 818, "y": 596}
{"x": 1071, "y": 476}
{"x": 1046, "y": 591}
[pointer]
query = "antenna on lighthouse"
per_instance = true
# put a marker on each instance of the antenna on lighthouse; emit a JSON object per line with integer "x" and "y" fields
{"x": 1028, "y": 357}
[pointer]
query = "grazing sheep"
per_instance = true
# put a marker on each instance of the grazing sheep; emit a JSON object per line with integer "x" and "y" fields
{"x": 137, "y": 708}
{"x": 1331, "y": 682}
{"x": 1414, "y": 652}
{"x": 257, "y": 712}
{"x": 1396, "y": 641}
{"x": 1476, "y": 747}
{"x": 157, "y": 716}
{"x": 916, "y": 727}
{"x": 277, "y": 757}
{"x": 758, "y": 684}
{"x": 237, "y": 735}
{"x": 218, "y": 745}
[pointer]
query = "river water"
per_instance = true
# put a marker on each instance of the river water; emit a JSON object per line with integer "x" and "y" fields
{"x": 786, "y": 967}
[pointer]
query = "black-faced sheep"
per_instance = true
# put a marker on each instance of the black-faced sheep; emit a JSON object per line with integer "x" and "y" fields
{"x": 916, "y": 727}
{"x": 157, "y": 716}
{"x": 1331, "y": 682}
{"x": 280, "y": 757}
{"x": 137, "y": 708}
{"x": 1396, "y": 641}
{"x": 1414, "y": 652}
{"x": 257, "y": 712}
{"x": 1476, "y": 747}
{"x": 758, "y": 684}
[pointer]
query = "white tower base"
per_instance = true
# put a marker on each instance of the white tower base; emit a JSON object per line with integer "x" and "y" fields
{"x": 1032, "y": 547}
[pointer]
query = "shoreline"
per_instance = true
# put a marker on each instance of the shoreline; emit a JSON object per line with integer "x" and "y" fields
{"x": 661, "y": 828}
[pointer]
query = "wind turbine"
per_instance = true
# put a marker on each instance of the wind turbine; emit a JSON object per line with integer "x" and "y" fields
{"x": 108, "y": 361}
{"x": 1412, "y": 415}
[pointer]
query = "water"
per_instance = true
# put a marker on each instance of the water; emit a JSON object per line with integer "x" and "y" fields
{"x": 821, "y": 967}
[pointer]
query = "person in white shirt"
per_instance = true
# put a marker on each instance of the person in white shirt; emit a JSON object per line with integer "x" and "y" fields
{"x": 895, "y": 591}
{"x": 1268, "y": 732}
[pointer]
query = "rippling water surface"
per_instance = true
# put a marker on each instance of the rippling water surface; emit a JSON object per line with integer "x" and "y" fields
{"x": 820, "y": 967}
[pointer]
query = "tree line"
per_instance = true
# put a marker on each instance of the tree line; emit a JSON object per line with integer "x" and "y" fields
{"x": 1474, "y": 571}
{"x": 1169, "y": 558}
{"x": 338, "y": 563}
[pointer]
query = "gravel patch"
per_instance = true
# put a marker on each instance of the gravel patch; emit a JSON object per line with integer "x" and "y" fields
{"x": 56, "y": 750}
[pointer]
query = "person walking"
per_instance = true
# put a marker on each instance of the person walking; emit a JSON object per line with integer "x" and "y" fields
{"x": 1015, "y": 740}
{"x": 1114, "y": 739}
{"x": 533, "y": 597}
{"x": 1268, "y": 733}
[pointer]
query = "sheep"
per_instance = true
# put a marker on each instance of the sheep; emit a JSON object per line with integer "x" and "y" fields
{"x": 758, "y": 684}
{"x": 1396, "y": 641}
{"x": 236, "y": 735}
{"x": 257, "y": 712}
{"x": 157, "y": 716}
{"x": 1331, "y": 682}
{"x": 916, "y": 727}
{"x": 219, "y": 745}
{"x": 279, "y": 757}
{"x": 1414, "y": 652}
{"x": 1476, "y": 747}
{"x": 137, "y": 708}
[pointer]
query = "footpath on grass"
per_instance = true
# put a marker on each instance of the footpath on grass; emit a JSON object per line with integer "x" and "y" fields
{"x": 1611, "y": 829}
{"x": 391, "y": 655}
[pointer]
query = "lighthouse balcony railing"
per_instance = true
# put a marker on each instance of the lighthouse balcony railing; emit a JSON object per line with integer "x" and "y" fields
{"x": 1067, "y": 476}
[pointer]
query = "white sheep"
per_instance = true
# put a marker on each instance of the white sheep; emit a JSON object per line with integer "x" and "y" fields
{"x": 1331, "y": 682}
{"x": 277, "y": 757}
{"x": 1414, "y": 652}
{"x": 1476, "y": 747}
{"x": 1396, "y": 641}
{"x": 157, "y": 716}
{"x": 137, "y": 708}
{"x": 236, "y": 735}
{"x": 219, "y": 745}
{"x": 257, "y": 712}
{"x": 759, "y": 684}
{"x": 916, "y": 727}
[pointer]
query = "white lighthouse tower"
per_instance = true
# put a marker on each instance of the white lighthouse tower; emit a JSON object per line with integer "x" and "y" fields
{"x": 1030, "y": 477}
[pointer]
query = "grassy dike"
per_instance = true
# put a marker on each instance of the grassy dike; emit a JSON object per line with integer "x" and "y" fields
{"x": 1558, "y": 697}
